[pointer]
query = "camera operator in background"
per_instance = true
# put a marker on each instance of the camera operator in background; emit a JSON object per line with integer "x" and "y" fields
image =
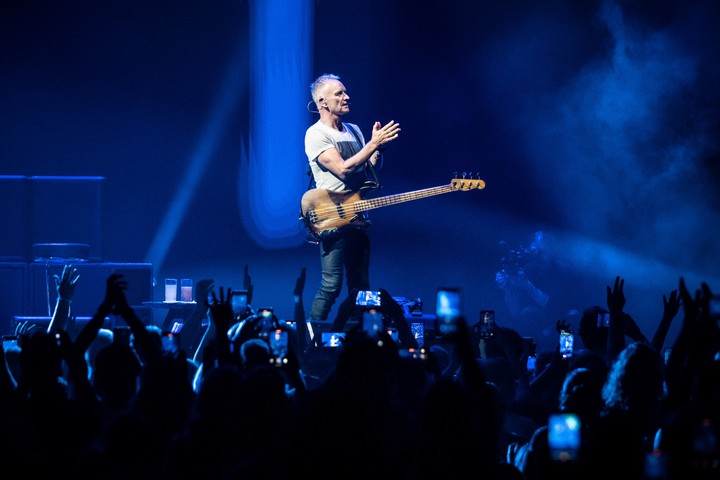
{"x": 518, "y": 269}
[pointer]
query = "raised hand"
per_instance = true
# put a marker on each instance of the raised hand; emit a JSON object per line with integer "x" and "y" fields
{"x": 691, "y": 305}
{"x": 671, "y": 307}
{"x": 616, "y": 331}
{"x": 66, "y": 284}
{"x": 382, "y": 134}
{"x": 247, "y": 284}
{"x": 300, "y": 283}
{"x": 115, "y": 287}
{"x": 671, "y": 304}
{"x": 220, "y": 308}
{"x": 616, "y": 296}
{"x": 562, "y": 326}
{"x": 221, "y": 314}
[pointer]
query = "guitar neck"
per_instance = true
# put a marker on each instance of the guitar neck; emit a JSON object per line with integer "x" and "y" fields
{"x": 369, "y": 204}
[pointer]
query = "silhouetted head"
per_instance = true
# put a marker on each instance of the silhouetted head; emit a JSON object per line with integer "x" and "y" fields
{"x": 40, "y": 357}
{"x": 116, "y": 374}
{"x": 581, "y": 394}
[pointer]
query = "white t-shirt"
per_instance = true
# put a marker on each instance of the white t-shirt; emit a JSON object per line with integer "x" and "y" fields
{"x": 318, "y": 138}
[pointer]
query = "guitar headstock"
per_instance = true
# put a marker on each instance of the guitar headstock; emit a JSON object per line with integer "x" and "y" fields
{"x": 466, "y": 183}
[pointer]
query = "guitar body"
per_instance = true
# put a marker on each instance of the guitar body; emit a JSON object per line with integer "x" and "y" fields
{"x": 325, "y": 212}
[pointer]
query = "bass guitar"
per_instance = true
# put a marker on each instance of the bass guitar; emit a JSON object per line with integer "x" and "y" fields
{"x": 324, "y": 212}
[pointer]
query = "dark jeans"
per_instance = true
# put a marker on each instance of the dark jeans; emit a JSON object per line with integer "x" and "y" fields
{"x": 347, "y": 253}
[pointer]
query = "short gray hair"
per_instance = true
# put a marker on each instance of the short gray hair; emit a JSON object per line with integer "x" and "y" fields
{"x": 319, "y": 82}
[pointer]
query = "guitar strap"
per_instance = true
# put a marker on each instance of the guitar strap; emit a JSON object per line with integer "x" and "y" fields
{"x": 368, "y": 165}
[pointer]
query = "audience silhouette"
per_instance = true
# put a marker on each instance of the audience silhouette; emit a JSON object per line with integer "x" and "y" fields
{"x": 83, "y": 401}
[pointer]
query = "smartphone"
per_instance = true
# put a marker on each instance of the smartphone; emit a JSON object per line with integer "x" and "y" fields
{"x": 121, "y": 336}
{"x": 530, "y": 353}
{"x": 531, "y": 365}
{"x": 239, "y": 302}
{"x": 372, "y": 322}
{"x": 368, "y": 298}
{"x": 265, "y": 321}
{"x": 564, "y": 436}
{"x": 333, "y": 339}
{"x": 419, "y": 353}
{"x": 292, "y": 324}
{"x": 170, "y": 342}
{"x": 279, "y": 347}
{"x": 487, "y": 323}
{"x": 448, "y": 308}
{"x": 603, "y": 320}
{"x": 567, "y": 339}
{"x": 418, "y": 331}
{"x": 10, "y": 342}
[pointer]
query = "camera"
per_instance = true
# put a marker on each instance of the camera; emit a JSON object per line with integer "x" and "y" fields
{"x": 567, "y": 339}
{"x": 448, "y": 308}
{"x": 603, "y": 320}
{"x": 368, "y": 298}
{"x": 516, "y": 261}
{"x": 564, "y": 436}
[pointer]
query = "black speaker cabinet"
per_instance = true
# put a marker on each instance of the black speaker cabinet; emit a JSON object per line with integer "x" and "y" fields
{"x": 68, "y": 210}
{"x": 15, "y": 217}
{"x": 90, "y": 288}
{"x": 13, "y": 294}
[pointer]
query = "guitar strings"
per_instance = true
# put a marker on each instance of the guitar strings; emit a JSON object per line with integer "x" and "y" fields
{"x": 378, "y": 202}
{"x": 392, "y": 199}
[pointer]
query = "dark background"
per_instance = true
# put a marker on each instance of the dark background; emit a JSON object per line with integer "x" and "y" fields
{"x": 593, "y": 122}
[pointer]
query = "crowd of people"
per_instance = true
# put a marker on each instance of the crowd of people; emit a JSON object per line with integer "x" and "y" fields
{"x": 87, "y": 402}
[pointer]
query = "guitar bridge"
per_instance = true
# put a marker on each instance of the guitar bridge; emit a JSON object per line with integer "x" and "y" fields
{"x": 360, "y": 221}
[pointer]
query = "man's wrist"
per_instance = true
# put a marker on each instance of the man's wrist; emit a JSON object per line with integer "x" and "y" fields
{"x": 66, "y": 300}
